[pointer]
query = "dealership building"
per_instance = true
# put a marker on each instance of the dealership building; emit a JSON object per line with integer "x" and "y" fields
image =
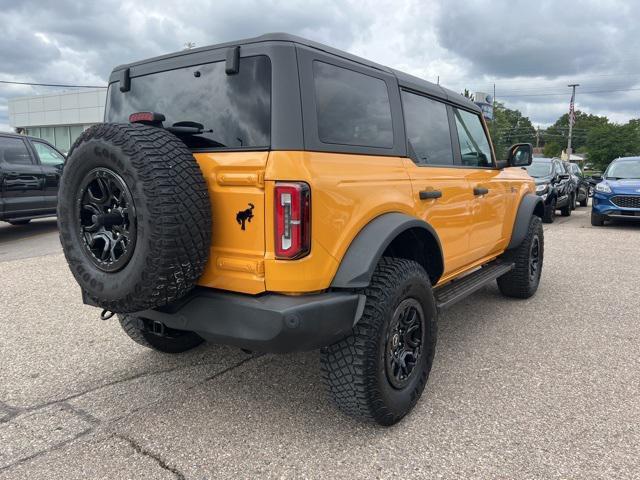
{"x": 58, "y": 118}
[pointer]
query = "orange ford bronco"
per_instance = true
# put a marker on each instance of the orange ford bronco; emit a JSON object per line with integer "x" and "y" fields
{"x": 280, "y": 195}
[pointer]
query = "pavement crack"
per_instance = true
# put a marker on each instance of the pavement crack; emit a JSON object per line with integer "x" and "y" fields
{"x": 95, "y": 424}
{"x": 142, "y": 450}
{"x": 44, "y": 451}
{"x": 232, "y": 367}
{"x": 83, "y": 414}
{"x": 10, "y": 412}
{"x": 107, "y": 385}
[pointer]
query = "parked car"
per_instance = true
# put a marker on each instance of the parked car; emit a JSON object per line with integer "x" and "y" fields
{"x": 553, "y": 185}
{"x": 617, "y": 195}
{"x": 580, "y": 184}
{"x": 30, "y": 170}
{"x": 593, "y": 180}
{"x": 290, "y": 196}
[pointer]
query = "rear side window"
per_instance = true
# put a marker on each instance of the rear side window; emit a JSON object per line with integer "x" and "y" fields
{"x": 352, "y": 108}
{"x": 14, "y": 151}
{"x": 474, "y": 145}
{"x": 235, "y": 110}
{"x": 427, "y": 127}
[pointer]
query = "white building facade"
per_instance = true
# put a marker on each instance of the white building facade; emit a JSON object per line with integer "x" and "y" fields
{"x": 58, "y": 118}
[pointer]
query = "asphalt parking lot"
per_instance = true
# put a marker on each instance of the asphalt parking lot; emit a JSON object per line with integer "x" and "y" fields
{"x": 543, "y": 388}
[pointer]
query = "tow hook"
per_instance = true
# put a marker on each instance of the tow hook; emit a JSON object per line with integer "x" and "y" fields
{"x": 106, "y": 314}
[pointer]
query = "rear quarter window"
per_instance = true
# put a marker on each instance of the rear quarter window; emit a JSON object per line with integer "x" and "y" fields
{"x": 427, "y": 127}
{"x": 352, "y": 108}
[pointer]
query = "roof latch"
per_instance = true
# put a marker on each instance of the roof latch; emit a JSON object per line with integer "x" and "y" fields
{"x": 233, "y": 61}
{"x": 125, "y": 80}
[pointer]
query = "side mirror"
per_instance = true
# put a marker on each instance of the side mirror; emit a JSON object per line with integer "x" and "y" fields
{"x": 520, "y": 155}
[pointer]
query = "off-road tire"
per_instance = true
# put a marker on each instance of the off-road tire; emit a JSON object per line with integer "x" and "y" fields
{"x": 574, "y": 201}
{"x": 519, "y": 283}
{"x": 550, "y": 212}
{"x": 176, "y": 341}
{"x": 585, "y": 202}
{"x": 19, "y": 222}
{"x": 597, "y": 220}
{"x": 566, "y": 210}
{"x": 172, "y": 215}
{"x": 353, "y": 369}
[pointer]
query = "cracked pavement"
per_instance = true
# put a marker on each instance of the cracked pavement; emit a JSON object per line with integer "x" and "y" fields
{"x": 543, "y": 388}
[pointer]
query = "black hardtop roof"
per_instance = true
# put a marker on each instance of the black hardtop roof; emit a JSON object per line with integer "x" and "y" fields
{"x": 404, "y": 79}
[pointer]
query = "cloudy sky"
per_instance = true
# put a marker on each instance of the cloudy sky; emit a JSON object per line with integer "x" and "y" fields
{"x": 530, "y": 50}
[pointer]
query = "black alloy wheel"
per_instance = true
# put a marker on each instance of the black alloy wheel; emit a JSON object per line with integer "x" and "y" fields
{"x": 527, "y": 259}
{"x": 534, "y": 258}
{"x": 405, "y": 339}
{"x": 107, "y": 222}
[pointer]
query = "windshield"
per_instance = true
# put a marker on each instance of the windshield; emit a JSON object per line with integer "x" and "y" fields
{"x": 234, "y": 110}
{"x": 625, "y": 169}
{"x": 539, "y": 169}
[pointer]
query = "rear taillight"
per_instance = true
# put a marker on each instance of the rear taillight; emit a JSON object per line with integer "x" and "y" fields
{"x": 293, "y": 220}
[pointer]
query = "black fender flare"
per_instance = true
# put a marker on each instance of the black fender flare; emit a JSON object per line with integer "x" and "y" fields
{"x": 527, "y": 208}
{"x": 366, "y": 249}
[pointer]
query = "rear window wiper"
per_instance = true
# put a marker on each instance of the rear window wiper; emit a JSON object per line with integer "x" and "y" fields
{"x": 193, "y": 128}
{"x": 188, "y": 128}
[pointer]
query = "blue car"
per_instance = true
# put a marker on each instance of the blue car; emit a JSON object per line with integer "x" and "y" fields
{"x": 618, "y": 194}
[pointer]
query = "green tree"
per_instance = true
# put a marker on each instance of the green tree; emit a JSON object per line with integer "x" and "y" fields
{"x": 609, "y": 141}
{"x": 552, "y": 149}
{"x": 509, "y": 127}
{"x": 559, "y": 131}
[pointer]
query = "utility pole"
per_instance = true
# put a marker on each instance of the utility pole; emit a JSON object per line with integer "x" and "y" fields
{"x": 572, "y": 117}
{"x": 538, "y": 137}
{"x": 493, "y": 113}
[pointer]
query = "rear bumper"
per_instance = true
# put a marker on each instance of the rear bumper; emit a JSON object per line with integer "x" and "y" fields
{"x": 267, "y": 323}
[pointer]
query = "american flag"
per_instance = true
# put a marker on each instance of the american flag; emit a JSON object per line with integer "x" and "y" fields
{"x": 572, "y": 113}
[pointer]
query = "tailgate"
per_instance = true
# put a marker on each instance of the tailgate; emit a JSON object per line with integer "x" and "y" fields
{"x": 236, "y": 190}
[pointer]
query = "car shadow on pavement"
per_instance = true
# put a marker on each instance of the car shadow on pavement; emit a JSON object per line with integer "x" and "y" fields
{"x": 11, "y": 233}
{"x": 622, "y": 224}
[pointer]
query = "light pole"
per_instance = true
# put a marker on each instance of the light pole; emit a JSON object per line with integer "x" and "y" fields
{"x": 572, "y": 117}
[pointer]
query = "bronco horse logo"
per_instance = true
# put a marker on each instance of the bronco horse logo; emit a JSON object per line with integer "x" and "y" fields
{"x": 245, "y": 216}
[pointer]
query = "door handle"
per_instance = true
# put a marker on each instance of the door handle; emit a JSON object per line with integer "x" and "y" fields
{"x": 480, "y": 191}
{"x": 430, "y": 194}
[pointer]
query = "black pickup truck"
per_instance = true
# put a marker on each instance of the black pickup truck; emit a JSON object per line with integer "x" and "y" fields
{"x": 30, "y": 170}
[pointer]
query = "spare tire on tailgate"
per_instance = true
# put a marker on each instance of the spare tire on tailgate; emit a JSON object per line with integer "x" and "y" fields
{"x": 134, "y": 216}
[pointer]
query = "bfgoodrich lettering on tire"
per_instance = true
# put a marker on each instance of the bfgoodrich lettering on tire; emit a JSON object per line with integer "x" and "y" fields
{"x": 379, "y": 372}
{"x": 134, "y": 216}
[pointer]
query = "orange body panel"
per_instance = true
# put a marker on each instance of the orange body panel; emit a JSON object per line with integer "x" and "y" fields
{"x": 235, "y": 181}
{"x": 347, "y": 192}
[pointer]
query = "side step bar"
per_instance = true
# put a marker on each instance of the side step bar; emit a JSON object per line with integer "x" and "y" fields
{"x": 457, "y": 289}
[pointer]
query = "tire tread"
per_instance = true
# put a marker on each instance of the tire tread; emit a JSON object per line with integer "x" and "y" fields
{"x": 348, "y": 366}
{"x": 175, "y": 196}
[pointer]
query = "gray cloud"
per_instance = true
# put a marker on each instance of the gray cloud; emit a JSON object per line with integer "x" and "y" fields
{"x": 547, "y": 38}
{"x": 524, "y": 47}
